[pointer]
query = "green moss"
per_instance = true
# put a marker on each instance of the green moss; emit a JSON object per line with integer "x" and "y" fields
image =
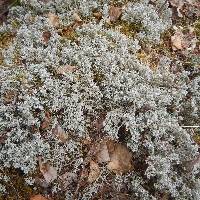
{"x": 197, "y": 138}
{"x": 15, "y": 24}
{"x": 69, "y": 33}
{"x": 127, "y": 28}
{"x": 5, "y": 39}
{"x": 16, "y": 3}
{"x": 197, "y": 29}
{"x": 98, "y": 77}
{"x": 121, "y": 2}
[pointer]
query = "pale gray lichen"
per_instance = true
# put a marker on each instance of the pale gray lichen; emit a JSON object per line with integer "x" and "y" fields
{"x": 108, "y": 77}
{"x": 154, "y": 19}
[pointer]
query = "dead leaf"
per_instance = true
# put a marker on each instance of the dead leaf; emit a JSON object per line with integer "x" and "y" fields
{"x": 114, "y": 13}
{"x": 178, "y": 4}
{"x": 41, "y": 183}
{"x": 120, "y": 159}
{"x": 77, "y": 17}
{"x": 103, "y": 154}
{"x": 68, "y": 178}
{"x": 189, "y": 165}
{"x": 60, "y": 133}
{"x": 185, "y": 42}
{"x": 65, "y": 69}
{"x": 98, "y": 123}
{"x": 53, "y": 19}
{"x": 46, "y": 36}
{"x": 49, "y": 172}
{"x": 97, "y": 15}
{"x": 177, "y": 40}
{"x": 94, "y": 172}
{"x": 9, "y": 96}
{"x": 38, "y": 197}
{"x": 46, "y": 122}
{"x": 87, "y": 141}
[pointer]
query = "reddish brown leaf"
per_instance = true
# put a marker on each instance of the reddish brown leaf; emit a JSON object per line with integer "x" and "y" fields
{"x": 46, "y": 36}
{"x": 97, "y": 15}
{"x": 94, "y": 172}
{"x": 60, "y": 133}
{"x": 65, "y": 69}
{"x": 98, "y": 123}
{"x": 46, "y": 122}
{"x": 177, "y": 40}
{"x": 49, "y": 172}
{"x": 178, "y": 4}
{"x": 77, "y": 17}
{"x": 9, "y": 96}
{"x": 67, "y": 178}
{"x": 103, "y": 153}
{"x": 115, "y": 13}
{"x": 120, "y": 159}
{"x": 38, "y": 197}
{"x": 53, "y": 19}
{"x": 185, "y": 42}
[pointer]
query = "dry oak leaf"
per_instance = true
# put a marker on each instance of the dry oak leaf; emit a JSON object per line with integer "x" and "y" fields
{"x": 98, "y": 123}
{"x": 98, "y": 15}
{"x": 67, "y": 178}
{"x": 46, "y": 36}
{"x": 46, "y": 122}
{"x": 178, "y": 4}
{"x": 9, "y": 96}
{"x": 177, "y": 40}
{"x": 60, "y": 133}
{"x": 38, "y": 197}
{"x": 53, "y": 19}
{"x": 94, "y": 171}
{"x": 49, "y": 173}
{"x": 114, "y": 13}
{"x": 120, "y": 160}
{"x": 65, "y": 69}
{"x": 103, "y": 153}
{"x": 77, "y": 17}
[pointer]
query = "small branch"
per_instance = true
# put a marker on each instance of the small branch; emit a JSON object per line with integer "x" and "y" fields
{"x": 190, "y": 126}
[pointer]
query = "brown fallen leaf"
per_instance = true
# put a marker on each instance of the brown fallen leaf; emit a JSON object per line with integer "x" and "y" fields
{"x": 68, "y": 178}
{"x": 189, "y": 165}
{"x": 53, "y": 19}
{"x": 98, "y": 123}
{"x": 114, "y": 13}
{"x": 38, "y": 197}
{"x": 190, "y": 39}
{"x": 60, "y": 133}
{"x": 98, "y": 15}
{"x": 178, "y": 4}
{"x": 46, "y": 122}
{"x": 177, "y": 40}
{"x": 49, "y": 173}
{"x": 46, "y": 36}
{"x": 77, "y": 17}
{"x": 185, "y": 42}
{"x": 120, "y": 159}
{"x": 94, "y": 171}
{"x": 65, "y": 69}
{"x": 9, "y": 96}
{"x": 103, "y": 153}
{"x": 3, "y": 137}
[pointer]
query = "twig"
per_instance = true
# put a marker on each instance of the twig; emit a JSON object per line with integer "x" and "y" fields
{"x": 190, "y": 126}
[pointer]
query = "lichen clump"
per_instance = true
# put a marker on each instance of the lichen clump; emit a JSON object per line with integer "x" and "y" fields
{"x": 68, "y": 79}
